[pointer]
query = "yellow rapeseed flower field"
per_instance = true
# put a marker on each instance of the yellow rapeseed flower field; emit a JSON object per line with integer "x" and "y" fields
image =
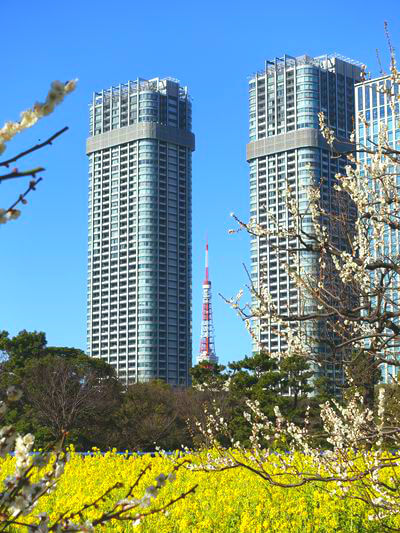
{"x": 233, "y": 501}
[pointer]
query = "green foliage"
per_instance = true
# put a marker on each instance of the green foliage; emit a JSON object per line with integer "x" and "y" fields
{"x": 261, "y": 378}
{"x": 364, "y": 374}
{"x": 65, "y": 393}
{"x": 26, "y": 345}
{"x": 208, "y": 375}
{"x": 153, "y": 415}
{"x": 271, "y": 383}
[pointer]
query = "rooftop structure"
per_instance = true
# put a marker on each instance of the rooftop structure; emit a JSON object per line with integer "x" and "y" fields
{"x": 325, "y": 62}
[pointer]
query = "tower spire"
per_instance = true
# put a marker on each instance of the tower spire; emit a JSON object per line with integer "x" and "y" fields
{"x": 206, "y": 279}
{"x": 207, "y": 346}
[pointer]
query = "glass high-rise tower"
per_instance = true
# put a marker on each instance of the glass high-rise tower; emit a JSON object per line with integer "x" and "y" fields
{"x": 286, "y": 150}
{"x": 377, "y": 109}
{"x": 139, "y": 264}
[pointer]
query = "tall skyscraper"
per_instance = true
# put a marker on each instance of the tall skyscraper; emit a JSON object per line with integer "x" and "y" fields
{"x": 377, "y": 108}
{"x": 207, "y": 343}
{"x": 286, "y": 150}
{"x": 140, "y": 230}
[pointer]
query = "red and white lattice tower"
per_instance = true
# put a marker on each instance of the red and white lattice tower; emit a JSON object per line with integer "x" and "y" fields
{"x": 207, "y": 346}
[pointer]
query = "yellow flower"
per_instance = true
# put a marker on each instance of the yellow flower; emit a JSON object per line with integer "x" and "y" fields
{"x": 233, "y": 501}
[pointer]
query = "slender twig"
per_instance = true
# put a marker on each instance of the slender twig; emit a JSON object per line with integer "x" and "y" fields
{"x": 34, "y": 148}
{"x": 21, "y": 198}
{"x": 21, "y": 174}
{"x": 378, "y": 57}
{"x": 388, "y": 39}
{"x": 141, "y": 474}
{"x": 65, "y": 516}
{"x": 119, "y": 515}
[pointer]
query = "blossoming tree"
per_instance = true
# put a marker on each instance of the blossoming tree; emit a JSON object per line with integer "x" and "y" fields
{"x": 353, "y": 293}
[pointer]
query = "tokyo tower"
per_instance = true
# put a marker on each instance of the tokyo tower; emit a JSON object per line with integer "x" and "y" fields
{"x": 207, "y": 346}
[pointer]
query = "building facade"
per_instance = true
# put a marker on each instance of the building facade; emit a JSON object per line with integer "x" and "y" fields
{"x": 140, "y": 230}
{"x": 378, "y": 109}
{"x": 286, "y": 150}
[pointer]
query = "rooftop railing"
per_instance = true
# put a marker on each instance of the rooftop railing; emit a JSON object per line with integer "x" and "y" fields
{"x": 325, "y": 62}
{"x": 134, "y": 86}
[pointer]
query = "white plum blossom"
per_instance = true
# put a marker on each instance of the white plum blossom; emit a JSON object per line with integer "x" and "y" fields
{"x": 29, "y": 118}
{"x": 13, "y": 393}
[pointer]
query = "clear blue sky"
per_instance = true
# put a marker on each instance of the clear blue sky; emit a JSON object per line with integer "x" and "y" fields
{"x": 211, "y": 46}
